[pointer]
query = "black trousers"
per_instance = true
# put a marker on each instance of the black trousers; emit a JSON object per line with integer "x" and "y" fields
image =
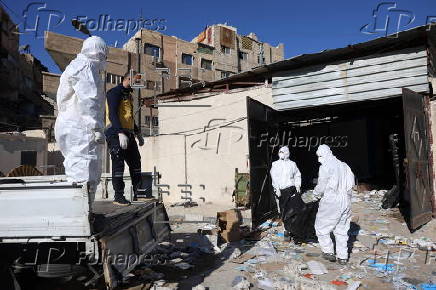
{"x": 118, "y": 156}
{"x": 298, "y": 218}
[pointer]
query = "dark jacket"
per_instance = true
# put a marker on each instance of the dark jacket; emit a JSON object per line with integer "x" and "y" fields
{"x": 116, "y": 97}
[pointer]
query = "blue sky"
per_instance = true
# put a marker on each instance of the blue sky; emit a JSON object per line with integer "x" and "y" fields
{"x": 303, "y": 26}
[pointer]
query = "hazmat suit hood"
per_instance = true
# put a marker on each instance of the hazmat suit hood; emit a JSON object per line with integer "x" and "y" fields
{"x": 324, "y": 154}
{"x": 94, "y": 52}
{"x": 284, "y": 153}
{"x": 80, "y": 121}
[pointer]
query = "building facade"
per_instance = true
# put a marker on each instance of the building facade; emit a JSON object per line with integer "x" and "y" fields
{"x": 21, "y": 78}
{"x": 170, "y": 63}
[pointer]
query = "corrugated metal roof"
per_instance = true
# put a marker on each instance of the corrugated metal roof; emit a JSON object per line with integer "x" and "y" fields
{"x": 408, "y": 38}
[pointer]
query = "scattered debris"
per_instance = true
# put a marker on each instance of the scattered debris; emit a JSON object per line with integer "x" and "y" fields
{"x": 316, "y": 268}
{"x": 240, "y": 282}
{"x": 183, "y": 266}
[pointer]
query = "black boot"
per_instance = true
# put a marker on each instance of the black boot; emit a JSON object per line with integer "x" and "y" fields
{"x": 329, "y": 257}
{"x": 120, "y": 200}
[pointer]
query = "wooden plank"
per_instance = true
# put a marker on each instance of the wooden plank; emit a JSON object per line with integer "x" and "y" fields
{"x": 369, "y": 78}
{"x": 348, "y": 91}
{"x": 337, "y": 99}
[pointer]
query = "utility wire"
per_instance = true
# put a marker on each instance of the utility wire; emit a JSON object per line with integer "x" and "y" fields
{"x": 207, "y": 129}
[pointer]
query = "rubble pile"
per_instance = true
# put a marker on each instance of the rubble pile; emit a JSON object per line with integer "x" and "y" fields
{"x": 380, "y": 258}
{"x": 383, "y": 254}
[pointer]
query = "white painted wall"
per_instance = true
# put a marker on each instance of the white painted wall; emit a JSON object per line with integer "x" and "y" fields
{"x": 210, "y": 164}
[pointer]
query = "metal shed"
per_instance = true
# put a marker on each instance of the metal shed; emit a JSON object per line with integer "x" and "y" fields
{"x": 368, "y": 93}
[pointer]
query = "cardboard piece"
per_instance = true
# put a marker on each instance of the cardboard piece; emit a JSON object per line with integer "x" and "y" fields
{"x": 229, "y": 222}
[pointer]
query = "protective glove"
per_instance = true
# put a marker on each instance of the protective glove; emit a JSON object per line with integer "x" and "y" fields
{"x": 140, "y": 140}
{"x": 99, "y": 137}
{"x": 124, "y": 140}
{"x": 298, "y": 189}
{"x": 318, "y": 195}
{"x": 309, "y": 197}
{"x": 277, "y": 192}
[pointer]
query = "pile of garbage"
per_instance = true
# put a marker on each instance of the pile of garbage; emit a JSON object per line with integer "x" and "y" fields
{"x": 379, "y": 258}
{"x": 272, "y": 263}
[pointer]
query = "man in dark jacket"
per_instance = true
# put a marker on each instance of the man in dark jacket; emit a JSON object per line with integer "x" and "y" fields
{"x": 120, "y": 135}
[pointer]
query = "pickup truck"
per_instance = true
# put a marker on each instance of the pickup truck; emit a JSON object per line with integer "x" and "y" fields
{"x": 53, "y": 228}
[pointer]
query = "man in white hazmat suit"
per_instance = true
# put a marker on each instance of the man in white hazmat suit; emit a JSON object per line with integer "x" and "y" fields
{"x": 79, "y": 124}
{"x": 335, "y": 183}
{"x": 286, "y": 181}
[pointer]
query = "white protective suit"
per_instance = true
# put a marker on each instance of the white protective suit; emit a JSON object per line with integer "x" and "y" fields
{"x": 284, "y": 173}
{"x": 335, "y": 183}
{"x": 80, "y": 121}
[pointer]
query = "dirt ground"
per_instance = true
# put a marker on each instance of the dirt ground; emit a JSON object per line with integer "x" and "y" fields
{"x": 383, "y": 255}
{"x": 403, "y": 260}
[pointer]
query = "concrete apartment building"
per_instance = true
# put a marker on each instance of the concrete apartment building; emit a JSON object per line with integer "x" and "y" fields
{"x": 216, "y": 53}
{"x": 169, "y": 62}
{"x": 21, "y": 79}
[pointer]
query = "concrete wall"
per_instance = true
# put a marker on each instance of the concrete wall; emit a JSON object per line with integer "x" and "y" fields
{"x": 11, "y": 146}
{"x": 210, "y": 167}
{"x": 50, "y": 84}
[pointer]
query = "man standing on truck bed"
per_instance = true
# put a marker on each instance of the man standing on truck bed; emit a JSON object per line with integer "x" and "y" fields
{"x": 80, "y": 121}
{"x": 120, "y": 136}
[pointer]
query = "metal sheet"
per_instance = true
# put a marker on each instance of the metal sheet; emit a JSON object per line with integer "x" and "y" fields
{"x": 43, "y": 209}
{"x": 418, "y": 191}
{"x": 260, "y": 128}
{"x": 366, "y": 77}
{"x": 127, "y": 247}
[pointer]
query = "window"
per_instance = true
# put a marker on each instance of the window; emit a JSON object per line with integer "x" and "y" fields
{"x": 149, "y": 85}
{"x": 187, "y": 59}
{"x": 155, "y": 121}
{"x": 243, "y": 55}
{"x": 203, "y": 48}
{"x": 151, "y": 49}
{"x": 113, "y": 79}
{"x": 206, "y": 64}
{"x": 28, "y": 158}
{"x": 184, "y": 82}
{"x": 260, "y": 59}
{"x": 225, "y": 74}
{"x": 225, "y": 49}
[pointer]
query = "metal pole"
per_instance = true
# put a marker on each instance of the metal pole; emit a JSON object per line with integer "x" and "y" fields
{"x": 138, "y": 70}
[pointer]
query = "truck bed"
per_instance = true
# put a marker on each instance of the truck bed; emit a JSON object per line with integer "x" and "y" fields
{"x": 108, "y": 216}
